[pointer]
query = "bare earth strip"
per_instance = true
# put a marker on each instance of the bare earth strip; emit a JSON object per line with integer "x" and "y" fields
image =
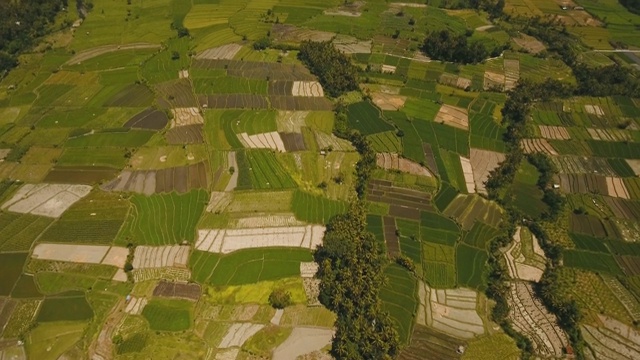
{"x": 531, "y": 146}
{"x": 493, "y": 80}
{"x": 529, "y": 43}
{"x": 86, "y": 254}
{"x": 532, "y": 319}
{"x": 224, "y": 52}
{"x": 453, "y": 116}
{"x": 219, "y": 201}
{"x": 229, "y": 240}
{"x": 186, "y": 116}
{"x": 303, "y": 341}
{"x": 634, "y": 165}
{"x": 238, "y": 334}
{"x": 270, "y": 140}
{"x": 616, "y": 188}
{"x": 266, "y": 221}
{"x": 594, "y": 110}
{"x": 388, "y": 101}
{"x": 49, "y": 200}
{"x": 554, "y": 132}
{"x": 160, "y": 256}
{"x": 467, "y": 170}
{"x": 482, "y": 162}
{"x": 307, "y": 89}
{"x": 612, "y": 340}
{"x": 91, "y": 53}
{"x": 395, "y": 162}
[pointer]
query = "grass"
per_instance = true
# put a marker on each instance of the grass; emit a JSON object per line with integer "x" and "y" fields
{"x": 168, "y": 315}
{"x": 165, "y": 219}
{"x": 499, "y": 346}
{"x": 399, "y": 299}
{"x": 55, "y": 283}
{"x": 68, "y": 306}
{"x": 247, "y": 266}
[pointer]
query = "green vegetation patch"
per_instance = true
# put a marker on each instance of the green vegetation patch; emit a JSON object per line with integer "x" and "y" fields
{"x": 259, "y": 169}
{"x": 439, "y": 265}
{"x": 596, "y": 262}
{"x": 68, "y": 306}
{"x": 470, "y": 263}
{"x": 480, "y": 235}
{"x": 366, "y": 118}
{"x": 163, "y": 219}
{"x": 168, "y": 315}
{"x": 314, "y": 208}
{"x": 19, "y": 231}
{"x": 10, "y": 270}
{"x": 399, "y": 299}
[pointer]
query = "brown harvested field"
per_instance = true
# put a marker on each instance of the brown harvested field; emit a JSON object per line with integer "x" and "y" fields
{"x": 148, "y": 119}
{"x": 594, "y": 110}
{"x": 529, "y": 43}
{"x": 622, "y": 208}
{"x": 177, "y": 94}
{"x": 233, "y": 101}
{"x": 49, "y": 200}
{"x": 177, "y": 290}
{"x": 293, "y": 141}
{"x": 609, "y": 134}
{"x": 427, "y": 343}
{"x": 257, "y": 70}
{"x": 146, "y": 257}
{"x": 629, "y": 264}
{"x": 430, "y": 159}
{"x": 181, "y": 179}
{"x": 351, "y": 45}
{"x": 512, "y": 73}
{"x": 7, "y": 305}
{"x": 554, "y": 132}
{"x": 80, "y": 174}
{"x": 467, "y": 172}
{"x": 482, "y": 162}
{"x": 531, "y": 318}
{"x": 395, "y": 162}
{"x": 531, "y": 146}
{"x": 453, "y": 116}
{"x": 307, "y": 89}
{"x": 224, "y": 52}
{"x": 493, "y": 80}
{"x": 635, "y": 166}
{"x": 281, "y": 88}
{"x": 591, "y": 225}
{"x": 270, "y": 140}
{"x": 389, "y": 69}
{"x": 454, "y": 81}
{"x": 390, "y": 237}
{"x": 300, "y": 103}
{"x": 388, "y": 101}
{"x": 97, "y": 51}
{"x": 583, "y": 184}
{"x": 405, "y": 203}
{"x": 616, "y": 188}
{"x": 186, "y": 116}
{"x": 189, "y": 134}
{"x": 291, "y": 33}
{"x": 4, "y": 153}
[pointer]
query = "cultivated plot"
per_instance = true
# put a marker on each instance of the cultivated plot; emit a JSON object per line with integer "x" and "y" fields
{"x": 482, "y": 163}
{"x": 146, "y": 257}
{"x": 554, "y": 132}
{"x": 467, "y": 171}
{"x": 224, "y": 52}
{"x": 269, "y": 140}
{"x": 87, "y": 254}
{"x": 49, "y": 200}
{"x": 391, "y": 161}
{"x": 531, "y": 146}
{"x": 229, "y": 240}
{"x": 453, "y": 116}
{"x": 612, "y": 340}
{"x": 181, "y": 179}
{"x": 517, "y": 264}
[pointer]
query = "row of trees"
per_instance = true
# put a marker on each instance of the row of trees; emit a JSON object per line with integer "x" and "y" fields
{"x": 333, "y": 68}
{"x": 449, "y": 46}
{"x": 631, "y": 5}
{"x": 351, "y": 274}
{"x": 21, "y": 23}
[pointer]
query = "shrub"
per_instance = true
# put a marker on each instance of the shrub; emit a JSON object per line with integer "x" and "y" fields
{"x": 280, "y": 298}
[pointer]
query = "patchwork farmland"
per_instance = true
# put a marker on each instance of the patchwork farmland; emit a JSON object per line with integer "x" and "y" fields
{"x": 176, "y": 176}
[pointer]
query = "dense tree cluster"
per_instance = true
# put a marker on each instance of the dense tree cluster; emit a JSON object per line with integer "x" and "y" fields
{"x": 547, "y": 170}
{"x": 493, "y": 7}
{"x": 606, "y": 81}
{"x": 448, "y": 46}
{"x": 350, "y": 270}
{"x": 21, "y": 23}
{"x": 631, "y": 5}
{"x": 333, "y": 68}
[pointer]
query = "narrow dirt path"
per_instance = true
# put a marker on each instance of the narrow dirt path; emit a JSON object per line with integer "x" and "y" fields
{"x": 102, "y": 347}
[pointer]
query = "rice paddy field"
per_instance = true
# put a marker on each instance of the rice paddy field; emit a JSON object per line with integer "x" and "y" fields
{"x": 126, "y": 137}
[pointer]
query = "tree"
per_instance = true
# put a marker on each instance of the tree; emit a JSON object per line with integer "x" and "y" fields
{"x": 280, "y": 298}
{"x": 334, "y": 69}
{"x": 175, "y": 55}
{"x": 448, "y": 46}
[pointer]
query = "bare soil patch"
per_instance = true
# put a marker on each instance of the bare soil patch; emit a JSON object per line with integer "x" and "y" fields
{"x": 4, "y": 153}
{"x": 150, "y": 118}
{"x": 291, "y": 33}
{"x": 160, "y": 256}
{"x": 224, "y": 52}
{"x": 609, "y": 134}
{"x": 307, "y": 88}
{"x": 635, "y": 165}
{"x": 516, "y": 265}
{"x": 229, "y": 240}
{"x": 49, "y": 200}
{"x": 87, "y": 254}
{"x": 594, "y": 110}
{"x": 512, "y": 73}
{"x": 238, "y": 334}
{"x": 554, "y": 132}
{"x": 177, "y": 290}
{"x": 453, "y": 116}
{"x": 388, "y": 101}
{"x": 270, "y": 140}
{"x": 529, "y": 43}
{"x": 395, "y": 162}
{"x": 351, "y": 45}
{"x": 302, "y": 341}
{"x": 467, "y": 171}
{"x": 454, "y": 81}
{"x": 291, "y": 121}
{"x": 493, "y": 80}
{"x": 219, "y": 201}
{"x": 482, "y": 162}
{"x": 181, "y": 179}
{"x": 531, "y": 146}
{"x": 186, "y": 116}
{"x": 616, "y": 188}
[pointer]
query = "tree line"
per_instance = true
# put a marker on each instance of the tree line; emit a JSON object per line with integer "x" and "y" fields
{"x": 631, "y": 5}
{"x": 333, "y": 68}
{"x": 449, "y": 46}
{"x": 21, "y": 23}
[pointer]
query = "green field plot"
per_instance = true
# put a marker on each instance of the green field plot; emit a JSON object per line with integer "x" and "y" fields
{"x": 467, "y": 209}
{"x": 591, "y": 261}
{"x": 486, "y": 133}
{"x": 26, "y": 288}
{"x": 110, "y": 157}
{"x": 315, "y": 209}
{"x": 438, "y": 222}
{"x": 48, "y": 341}
{"x": 480, "y": 235}
{"x": 621, "y": 167}
{"x": 259, "y": 169}
{"x": 374, "y": 226}
{"x": 366, "y": 118}
{"x": 439, "y": 265}
{"x": 627, "y": 150}
{"x": 411, "y": 141}
{"x": 410, "y": 239}
{"x": 230, "y": 85}
{"x": 55, "y": 283}
{"x": 445, "y": 196}
{"x": 116, "y": 138}
{"x": 68, "y": 306}
{"x": 524, "y": 193}
{"x": 163, "y": 219}
{"x": 247, "y": 266}
{"x": 386, "y": 141}
{"x": 10, "y": 270}
{"x": 168, "y": 315}
{"x": 19, "y": 231}
{"x": 261, "y": 201}
{"x": 452, "y": 167}
{"x": 471, "y": 263}
{"x": 399, "y": 299}
{"x": 589, "y": 243}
